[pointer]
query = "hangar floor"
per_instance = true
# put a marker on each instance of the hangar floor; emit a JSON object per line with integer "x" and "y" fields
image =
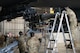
{"x": 62, "y": 49}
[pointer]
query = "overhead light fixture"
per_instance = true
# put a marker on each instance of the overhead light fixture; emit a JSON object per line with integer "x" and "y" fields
{"x": 51, "y": 10}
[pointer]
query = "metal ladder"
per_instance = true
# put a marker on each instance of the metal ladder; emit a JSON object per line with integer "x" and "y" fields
{"x": 54, "y": 49}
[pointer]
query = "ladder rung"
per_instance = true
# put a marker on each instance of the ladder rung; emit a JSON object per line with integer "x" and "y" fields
{"x": 67, "y": 39}
{"x": 52, "y": 40}
{"x": 66, "y": 31}
{"x": 50, "y": 48}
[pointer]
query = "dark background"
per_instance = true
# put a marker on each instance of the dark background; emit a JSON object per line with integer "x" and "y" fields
{"x": 57, "y": 3}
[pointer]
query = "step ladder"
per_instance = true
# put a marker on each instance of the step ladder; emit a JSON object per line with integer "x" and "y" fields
{"x": 54, "y": 48}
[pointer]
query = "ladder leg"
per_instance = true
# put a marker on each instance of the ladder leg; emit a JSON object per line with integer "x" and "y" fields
{"x": 64, "y": 38}
{"x": 70, "y": 34}
{"x": 51, "y": 35}
{"x": 55, "y": 44}
{"x": 54, "y": 24}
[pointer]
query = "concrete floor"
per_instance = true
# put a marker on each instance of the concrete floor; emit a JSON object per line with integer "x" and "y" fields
{"x": 61, "y": 46}
{"x": 61, "y": 49}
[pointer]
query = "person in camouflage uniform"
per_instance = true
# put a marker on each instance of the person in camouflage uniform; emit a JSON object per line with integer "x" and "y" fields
{"x": 33, "y": 44}
{"x": 10, "y": 38}
{"x": 22, "y": 43}
{"x": 73, "y": 22}
{"x": 2, "y": 40}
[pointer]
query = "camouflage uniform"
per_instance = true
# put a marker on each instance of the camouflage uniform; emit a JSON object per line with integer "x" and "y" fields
{"x": 9, "y": 40}
{"x": 73, "y": 22}
{"x": 2, "y": 40}
{"x": 33, "y": 44}
{"x": 22, "y": 44}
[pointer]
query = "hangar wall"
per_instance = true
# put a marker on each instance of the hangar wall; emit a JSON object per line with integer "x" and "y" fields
{"x": 13, "y": 26}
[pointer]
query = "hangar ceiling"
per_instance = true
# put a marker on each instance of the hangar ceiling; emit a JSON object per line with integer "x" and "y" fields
{"x": 56, "y": 3}
{"x": 43, "y": 3}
